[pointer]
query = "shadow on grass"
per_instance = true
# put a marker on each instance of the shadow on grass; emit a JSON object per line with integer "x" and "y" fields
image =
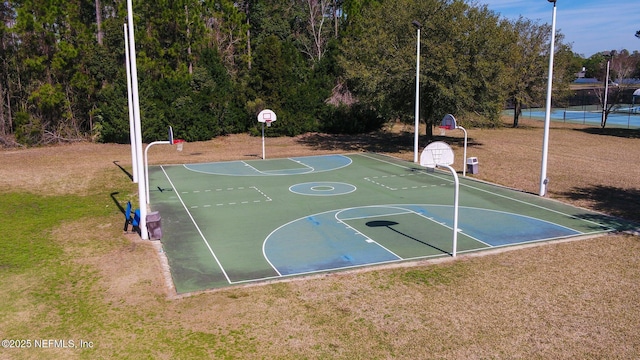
{"x": 622, "y": 203}
{"x": 115, "y": 162}
{"x": 379, "y": 141}
{"x": 115, "y": 201}
{"x": 616, "y": 132}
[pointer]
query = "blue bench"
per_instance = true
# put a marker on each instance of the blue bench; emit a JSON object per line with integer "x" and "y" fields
{"x": 131, "y": 219}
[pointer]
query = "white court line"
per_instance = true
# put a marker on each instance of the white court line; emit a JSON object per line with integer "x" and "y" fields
{"x": 306, "y": 273}
{"x": 275, "y": 172}
{"x": 271, "y": 172}
{"x": 352, "y": 228}
{"x": 303, "y": 164}
{"x": 499, "y": 195}
{"x": 409, "y": 211}
{"x": 197, "y": 227}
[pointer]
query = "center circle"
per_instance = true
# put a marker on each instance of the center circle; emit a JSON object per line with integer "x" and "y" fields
{"x": 322, "y": 188}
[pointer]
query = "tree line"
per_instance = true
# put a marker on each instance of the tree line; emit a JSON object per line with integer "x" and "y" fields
{"x": 207, "y": 67}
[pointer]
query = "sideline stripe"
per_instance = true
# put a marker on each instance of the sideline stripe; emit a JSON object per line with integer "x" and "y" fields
{"x": 197, "y": 227}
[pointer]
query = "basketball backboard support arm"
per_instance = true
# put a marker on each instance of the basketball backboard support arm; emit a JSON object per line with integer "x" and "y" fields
{"x": 440, "y": 154}
{"x": 455, "y": 209}
{"x": 146, "y": 163}
{"x": 449, "y": 122}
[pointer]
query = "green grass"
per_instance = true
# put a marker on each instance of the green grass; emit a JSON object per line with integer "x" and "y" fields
{"x": 48, "y": 293}
{"x": 55, "y": 295}
{"x": 27, "y": 220}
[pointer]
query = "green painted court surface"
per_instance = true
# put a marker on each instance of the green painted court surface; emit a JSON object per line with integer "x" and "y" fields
{"x": 238, "y": 222}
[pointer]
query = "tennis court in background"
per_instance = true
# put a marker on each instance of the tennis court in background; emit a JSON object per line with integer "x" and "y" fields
{"x": 624, "y": 117}
{"x": 238, "y": 222}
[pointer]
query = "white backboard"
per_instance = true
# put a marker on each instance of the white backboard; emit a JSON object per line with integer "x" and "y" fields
{"x": 436, "y": 153}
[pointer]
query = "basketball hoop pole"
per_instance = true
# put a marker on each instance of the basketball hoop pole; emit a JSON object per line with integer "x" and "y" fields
{"x": 440, "y": 154}
{"x": 449, "y": 123}
{"x": 455, "y": 209}
{"x": 263, "y": 156}
{"x": 146, "y": 163}
{"x": 464, "y": 155}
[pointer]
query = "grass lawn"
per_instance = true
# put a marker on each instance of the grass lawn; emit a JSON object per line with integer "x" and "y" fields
{"x": 74, "y": 286}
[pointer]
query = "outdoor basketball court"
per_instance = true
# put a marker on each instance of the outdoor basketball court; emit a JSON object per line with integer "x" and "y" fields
{"x": 238, "y": 222}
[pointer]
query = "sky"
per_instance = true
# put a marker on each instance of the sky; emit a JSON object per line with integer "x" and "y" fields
{"x": 591, "y": 26}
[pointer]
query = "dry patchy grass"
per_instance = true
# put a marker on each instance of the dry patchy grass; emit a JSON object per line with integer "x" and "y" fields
{"x": 574, "y": 299}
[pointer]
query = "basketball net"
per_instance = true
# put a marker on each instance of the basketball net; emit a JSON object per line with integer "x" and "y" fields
{"x": 179, "y": 144}
{"x": 443, "y": 130}
{"x": 268, "y": 123}
{"x": 436, "y": 155}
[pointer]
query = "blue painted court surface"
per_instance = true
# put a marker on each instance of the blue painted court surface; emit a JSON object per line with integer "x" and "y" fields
{"x": 239, "y": 222}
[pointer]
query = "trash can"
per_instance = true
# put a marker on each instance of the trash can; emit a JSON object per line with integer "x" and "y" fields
{"x": 472, "y": 165}
{"x": 154, "y": 226}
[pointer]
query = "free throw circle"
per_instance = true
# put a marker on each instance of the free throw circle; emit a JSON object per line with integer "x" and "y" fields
{"x": 322, "y": 188}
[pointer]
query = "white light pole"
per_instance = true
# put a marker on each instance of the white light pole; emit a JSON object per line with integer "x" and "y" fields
{"x": 608, "y": 54}
{"x": 132, "y": 124}
{"x": 417, "y": 122}
{"x": 142, "y": 192}
{"x": 547, "y": 118}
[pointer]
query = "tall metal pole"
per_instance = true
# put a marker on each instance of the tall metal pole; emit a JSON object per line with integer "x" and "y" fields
{"x": 547, "y": 118}
{"x": 417, "y": 121}
{"x": 132, "y": 126}
{"x": 606, "y": 92}
{"x": 142, "y": 192}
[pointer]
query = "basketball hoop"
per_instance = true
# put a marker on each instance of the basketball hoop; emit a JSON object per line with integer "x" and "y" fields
{"x": 266, "y": 116}
{"x": 447, "y": 123}
{"x": 180, "y": 144}
{"x": 443, "y": 129}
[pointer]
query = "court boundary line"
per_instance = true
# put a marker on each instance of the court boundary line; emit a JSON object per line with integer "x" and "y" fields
{"x": 263, "y": 173}
{"x": 308, "y": 170}
{"x": 196, "y": 225}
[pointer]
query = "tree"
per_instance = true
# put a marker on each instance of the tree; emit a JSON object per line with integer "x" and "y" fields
{"x": 279, "y": 79}
{"x": 462, "y": 68}
{"x": 8, "y": 75}
{"x": 528, "y": 64}
{"x": 622, "y": 66}
{"x": 317, "y": 34}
